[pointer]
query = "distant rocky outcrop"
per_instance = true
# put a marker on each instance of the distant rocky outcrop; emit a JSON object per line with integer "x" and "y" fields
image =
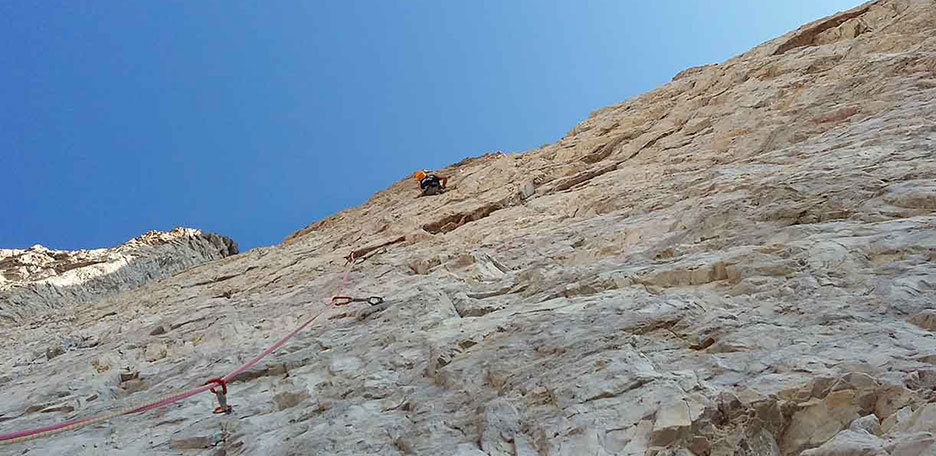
{"x": 38, "y": 279}
{"x": 741, "y": 262}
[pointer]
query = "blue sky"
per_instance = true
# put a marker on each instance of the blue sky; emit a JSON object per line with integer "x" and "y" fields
{"x": 254, "y": 119}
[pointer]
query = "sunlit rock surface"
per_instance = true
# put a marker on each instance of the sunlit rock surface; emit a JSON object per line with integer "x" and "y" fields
{"x": 37, "y": 279}
{"x": 740, "y": 262}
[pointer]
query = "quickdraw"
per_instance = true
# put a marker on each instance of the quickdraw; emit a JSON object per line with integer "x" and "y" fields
{"x": 218, "y": 386}
{"x": 344, "y": 300}
{"x": 221, "y": 395}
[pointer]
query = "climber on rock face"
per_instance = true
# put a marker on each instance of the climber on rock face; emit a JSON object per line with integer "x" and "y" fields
{"x": 431, "y": 184}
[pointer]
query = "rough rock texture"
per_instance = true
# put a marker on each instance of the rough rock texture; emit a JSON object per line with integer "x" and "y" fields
{"x": 738, "y": 263}
{"x": 38, "y": 279}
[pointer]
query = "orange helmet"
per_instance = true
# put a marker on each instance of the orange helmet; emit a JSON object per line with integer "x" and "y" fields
{"x": 420, "y": 175}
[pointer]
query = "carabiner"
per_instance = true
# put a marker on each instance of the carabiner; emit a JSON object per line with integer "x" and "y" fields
{"x": 341, "y": 300}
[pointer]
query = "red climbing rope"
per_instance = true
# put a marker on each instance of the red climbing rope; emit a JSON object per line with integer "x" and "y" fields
{"x": 210, "y": 385}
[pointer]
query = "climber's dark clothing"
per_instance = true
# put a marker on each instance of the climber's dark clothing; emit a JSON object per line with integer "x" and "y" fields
{"x": 432, "y": 185}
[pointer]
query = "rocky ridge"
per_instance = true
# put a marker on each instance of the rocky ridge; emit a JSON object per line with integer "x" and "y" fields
{"x": 738, "y": 263}
{"x": 39, "y": 278}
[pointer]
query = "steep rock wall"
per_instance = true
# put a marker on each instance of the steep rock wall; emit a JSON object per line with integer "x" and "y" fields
{"x": 740, "y": 262}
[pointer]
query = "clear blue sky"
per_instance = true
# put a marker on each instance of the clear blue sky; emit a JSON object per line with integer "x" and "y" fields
{"x": 255, "y": 119}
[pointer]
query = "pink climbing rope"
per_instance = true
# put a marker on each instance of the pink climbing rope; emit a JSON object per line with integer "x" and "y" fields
{"x": 44, "y": 431}
{"x": 279, "y": 343}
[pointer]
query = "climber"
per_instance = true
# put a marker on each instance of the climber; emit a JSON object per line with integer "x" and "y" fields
{"x": 430, "y": 183}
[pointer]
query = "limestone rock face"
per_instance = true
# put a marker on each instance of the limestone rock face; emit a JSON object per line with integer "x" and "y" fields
{"x": 740, "y": 262}
{"x": 38, "y": 279}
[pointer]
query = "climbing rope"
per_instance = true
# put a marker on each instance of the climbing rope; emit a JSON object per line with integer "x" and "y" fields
{"x": 220, "y": 395}
{"x": 218, "y": 385}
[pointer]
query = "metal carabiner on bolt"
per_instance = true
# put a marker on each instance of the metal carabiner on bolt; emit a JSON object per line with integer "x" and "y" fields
{"x": 221, "y": 395}
{"x": 344, "y": 300}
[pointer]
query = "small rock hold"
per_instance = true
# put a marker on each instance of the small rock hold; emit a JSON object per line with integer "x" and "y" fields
{"x": 730, "y": 405}
{"x": 368, "y": 311}
{"x": 287, "y": 400}
{"x": 867, "y": 423}
{"x": 126, "y": 376}
{"x": 499, "y": 422}
{"x": 925, "y": 319}
{"x": 100, "y": 365}
{"x": 155, "y": 351}
{"x": 419, "y": 236}
{"x": 35, "y": 408}
{"x": 700, "y": 446}
{"x": 891, "y": 398}
{"x": 527, "y": 190}
{"x": 58, "y": 408}
{"x": 468, "y": 449}
{"x": 52, "y": 352}
{"x": 849, "y": 443}
{"x": 192, "y": 443}
{"x": 896, "y": 418}
{"x": 912, "y": 445}
{"x": 133, "y": 386}
{"x": 912, "y": 380}
{"x": 419, "y": 266}
{"x": 671, "y": 422}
